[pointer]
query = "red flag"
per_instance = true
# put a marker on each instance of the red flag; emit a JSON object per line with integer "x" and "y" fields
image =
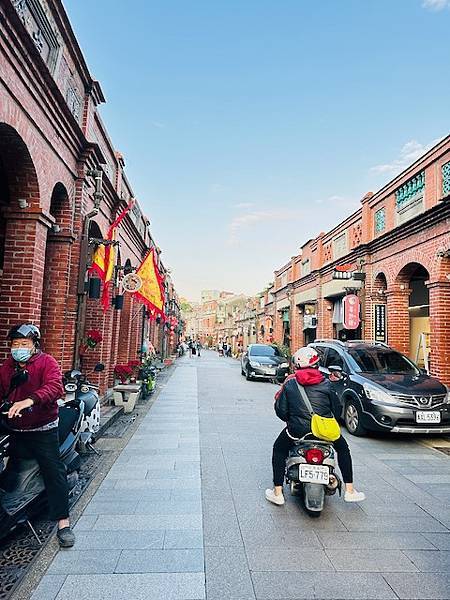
{"x": 105, "y": 256}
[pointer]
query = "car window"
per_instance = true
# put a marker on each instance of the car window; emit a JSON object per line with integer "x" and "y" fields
{"x": 333, "y": 358}
{"x": 381, "y": 360}
{"x": 264, "y": 351}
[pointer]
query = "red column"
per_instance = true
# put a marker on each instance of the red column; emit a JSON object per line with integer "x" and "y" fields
{"x": 398, "y": 317}
{"x": 23, "y": 272}
{"x": 440, "y": 330}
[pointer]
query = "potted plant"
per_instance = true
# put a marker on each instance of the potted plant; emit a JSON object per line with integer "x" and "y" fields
{"x": 123, "y": 372}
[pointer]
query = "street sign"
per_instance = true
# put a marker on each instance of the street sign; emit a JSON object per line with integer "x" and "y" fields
{"x": 351, "y": 306}
{"x": 342, "y": 274}
{"x": 379, "y": 322}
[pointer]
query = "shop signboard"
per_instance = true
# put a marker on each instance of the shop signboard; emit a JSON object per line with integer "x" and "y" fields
{"x": 351, "y": 305}
{"x": 379, "y": 322}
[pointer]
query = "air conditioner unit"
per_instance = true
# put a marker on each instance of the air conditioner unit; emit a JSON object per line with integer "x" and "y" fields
{"x": 309, "y": 322}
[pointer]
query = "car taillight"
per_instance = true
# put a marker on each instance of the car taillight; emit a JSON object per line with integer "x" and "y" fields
{"x": 314, "y": 456}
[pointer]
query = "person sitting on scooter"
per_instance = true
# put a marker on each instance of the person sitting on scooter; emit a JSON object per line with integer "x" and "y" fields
{"x": 33, "y": 418}
{"x": 325, "y": 403}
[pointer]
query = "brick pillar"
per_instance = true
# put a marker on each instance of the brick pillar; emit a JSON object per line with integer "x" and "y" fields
{"x": 56, "y": 327}
{"x": 297, "y": 337}
{"x": 440, "y": 330}
{"x": 97, "y": 319}
{"x": 398, "y": 317}
{"x": 135, "y": 330}
{"x": 23, "y": 271}
{"x": 124, "y": 334}
{"x": 324, "y": 318}
{"x": 114, "y": 345}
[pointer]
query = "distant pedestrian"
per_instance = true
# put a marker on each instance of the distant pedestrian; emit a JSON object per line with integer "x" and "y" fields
{"x": 198, "y": 348}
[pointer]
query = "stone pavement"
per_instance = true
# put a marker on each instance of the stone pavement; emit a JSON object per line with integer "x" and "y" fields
{"x": 142, "y": 536}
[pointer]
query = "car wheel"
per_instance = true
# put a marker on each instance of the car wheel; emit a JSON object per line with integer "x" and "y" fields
{"x": 248, "y": 377}
{"x": 352, "y": 418}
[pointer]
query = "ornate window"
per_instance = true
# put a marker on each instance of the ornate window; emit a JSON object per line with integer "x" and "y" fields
{"x": 409, "y": 198}
{"x": 446, "y": 179}
{"x": 380, "y": 220}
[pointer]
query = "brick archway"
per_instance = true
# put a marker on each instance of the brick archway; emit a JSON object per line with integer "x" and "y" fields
{"x": 408, "y": 307}
{"x": 23, "y": 234}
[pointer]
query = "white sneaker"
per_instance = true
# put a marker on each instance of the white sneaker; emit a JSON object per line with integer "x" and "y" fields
{"x": 272, "y": 497}
{"x": 354, "y": 496}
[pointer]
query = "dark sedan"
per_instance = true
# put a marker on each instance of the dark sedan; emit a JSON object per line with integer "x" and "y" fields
{"x": 383, "y": 390}
{"x": 265, "y": 361}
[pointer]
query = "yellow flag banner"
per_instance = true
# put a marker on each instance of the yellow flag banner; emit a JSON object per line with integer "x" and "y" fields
{"x": 104, "y": 257}
{"x": 152, "y": 291}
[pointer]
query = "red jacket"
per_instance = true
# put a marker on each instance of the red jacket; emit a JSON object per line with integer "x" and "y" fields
{"x": 44, "y": 386}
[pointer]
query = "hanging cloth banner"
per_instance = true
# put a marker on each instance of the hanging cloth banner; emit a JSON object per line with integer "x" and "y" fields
{"x": 152, "y": 291}
{"x": 104, "y": 258}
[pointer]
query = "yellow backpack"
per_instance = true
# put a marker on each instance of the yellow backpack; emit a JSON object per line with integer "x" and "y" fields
{"x": 323, "y": 428}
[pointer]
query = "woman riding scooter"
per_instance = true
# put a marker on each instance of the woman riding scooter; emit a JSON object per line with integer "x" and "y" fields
{"x": 33, "y": 418}
{"x": 293, "y": 411}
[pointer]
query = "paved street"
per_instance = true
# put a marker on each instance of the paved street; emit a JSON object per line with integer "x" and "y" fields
{"x": 186, "y": 499}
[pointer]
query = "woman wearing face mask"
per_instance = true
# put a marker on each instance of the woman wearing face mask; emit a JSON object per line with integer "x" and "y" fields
{"x": 33, "y": 418}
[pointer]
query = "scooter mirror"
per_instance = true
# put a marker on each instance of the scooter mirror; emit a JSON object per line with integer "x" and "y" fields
{"x": 99, "y": 367}
{"x": 75, "y": 373}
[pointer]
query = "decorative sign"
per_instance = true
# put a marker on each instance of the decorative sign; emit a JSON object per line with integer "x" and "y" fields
{"x": 131, "y": 282}
{"x": 342, "y": 274}
{"x": 351, "y": 305}
{"x": 346, "y": 268}
{"x": 379, "y": 322}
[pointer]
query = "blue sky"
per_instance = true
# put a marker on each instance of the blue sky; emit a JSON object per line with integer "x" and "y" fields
{"x": 248, "y": 126}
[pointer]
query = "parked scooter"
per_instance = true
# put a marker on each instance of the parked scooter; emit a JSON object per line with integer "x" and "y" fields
{"x": 22, "y": 490}
{"x": 78, "y": 388}
{"x": 311, "y": 472}
{"x": 147, "y": 374}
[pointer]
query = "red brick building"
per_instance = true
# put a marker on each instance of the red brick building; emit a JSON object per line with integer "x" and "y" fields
{"x": 62, "y": 183}
{"x": 395, "y": 253}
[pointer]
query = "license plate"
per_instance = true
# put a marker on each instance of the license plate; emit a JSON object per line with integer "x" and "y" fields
{"x": 428, "y": 416}
{"x": 314, "y": 474}
{"x": 271, "y": 372}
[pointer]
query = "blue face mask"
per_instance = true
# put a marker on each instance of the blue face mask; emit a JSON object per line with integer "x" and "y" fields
{"x": 21, "y": 354}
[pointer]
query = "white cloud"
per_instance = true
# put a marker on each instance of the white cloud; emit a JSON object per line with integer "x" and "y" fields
{"x": 436, "y": 4}
{"x": 409, "y": 153}
{"x": 158, "y": 124}
{"x": 254, "y": 218}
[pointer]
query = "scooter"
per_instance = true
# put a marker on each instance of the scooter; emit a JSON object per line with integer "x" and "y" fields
{"x": 311, "y": 473}
{"x": 78, "y": 388}
{"x": 22, "y": 490}
{"x": 147, "y": 374}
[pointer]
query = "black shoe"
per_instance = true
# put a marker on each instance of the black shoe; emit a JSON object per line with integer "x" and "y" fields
{"x": 66, "y": 537}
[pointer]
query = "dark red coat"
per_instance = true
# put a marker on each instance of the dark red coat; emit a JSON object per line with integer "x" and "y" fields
{"x": 44, "y": 386}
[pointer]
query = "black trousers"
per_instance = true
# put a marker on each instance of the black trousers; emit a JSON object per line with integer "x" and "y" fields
{"x": 44, "y": 447}
{"x": 284, "y": 443}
